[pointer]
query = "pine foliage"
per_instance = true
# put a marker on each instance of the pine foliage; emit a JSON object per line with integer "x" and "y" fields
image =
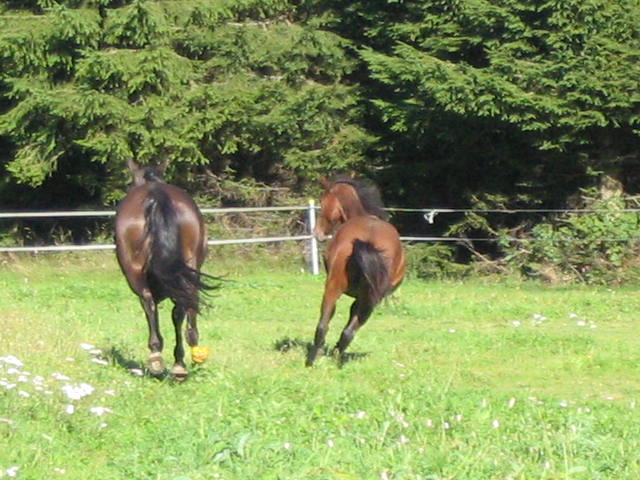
{"x": 246, "y": 87}
{"x": 481, "y": 95}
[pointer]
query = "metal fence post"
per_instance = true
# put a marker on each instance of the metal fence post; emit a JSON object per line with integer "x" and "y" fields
{"x": 313, "y": 244}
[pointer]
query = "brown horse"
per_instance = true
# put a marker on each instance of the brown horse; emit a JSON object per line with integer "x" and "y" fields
{"x": 160, "y": 245}
{"x": 364, "y": 259}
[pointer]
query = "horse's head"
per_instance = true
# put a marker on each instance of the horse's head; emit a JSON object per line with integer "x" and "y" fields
{"x": 146, "y": 173}
{"x": 345, "y": 198}
{"x": 339, "y": 203}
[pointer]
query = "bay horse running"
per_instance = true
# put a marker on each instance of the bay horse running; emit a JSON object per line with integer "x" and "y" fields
{"x": 161, "y": 244}
{"x": 364, "y": 259}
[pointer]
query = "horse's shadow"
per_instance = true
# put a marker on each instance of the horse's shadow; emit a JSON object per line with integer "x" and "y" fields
{"x": 135, "y": 368}
{"x": 287, "y": 344}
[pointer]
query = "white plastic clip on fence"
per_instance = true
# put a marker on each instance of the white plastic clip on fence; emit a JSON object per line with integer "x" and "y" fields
{"x": 430, "y": 215}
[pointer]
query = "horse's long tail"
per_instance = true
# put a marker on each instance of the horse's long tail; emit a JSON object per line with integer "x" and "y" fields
{"x": 166, "y": 264}
{"x": 370, "y": 263}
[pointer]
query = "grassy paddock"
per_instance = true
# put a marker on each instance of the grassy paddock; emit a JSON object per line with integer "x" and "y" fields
{"x": 474, "y": 380}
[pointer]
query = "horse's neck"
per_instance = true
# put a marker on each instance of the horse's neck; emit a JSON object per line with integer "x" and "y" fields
{"x": 352, "y": 207}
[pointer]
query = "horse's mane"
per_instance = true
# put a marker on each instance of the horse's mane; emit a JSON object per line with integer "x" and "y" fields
{"x": 152, "y": 174}
{"x": 367, "y": 192}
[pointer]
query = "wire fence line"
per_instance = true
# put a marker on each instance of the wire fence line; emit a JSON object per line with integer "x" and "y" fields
{"x": 311, "y": 208}
{"x": 222, "y": 210}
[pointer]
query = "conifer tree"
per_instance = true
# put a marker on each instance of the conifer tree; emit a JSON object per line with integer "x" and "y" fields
{"x": 501, "y": 95}
{"x": 241, "y": 88}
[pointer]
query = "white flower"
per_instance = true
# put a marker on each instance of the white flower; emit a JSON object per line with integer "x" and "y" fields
{"x": 11, "y": 360}
{"x": 76, "y": 392}
{"x": 59, "y": 376}
{"x": 95, "y": 351}
{"x": 22, "y": 393}
{"x": 403, "y": 439}
{"x": 87, "y": 346}
{"x": 12, "y": 471}
{"x": 330, "y": 443}
{"x": 400, "y": 419}
{"x": 99, "y": 411}
{"x": 512, "y": 402}
{"x": 495, "y": 424}
{"x": 516, "y": 323}
{"x": 361, "y": 414}
{"x": 287, "y": 446}
{"x": 99, "y": 361}
{"x": 70, "y": 409}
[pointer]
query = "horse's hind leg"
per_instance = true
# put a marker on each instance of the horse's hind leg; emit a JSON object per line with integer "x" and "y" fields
{"x": 193, "y": 337}
{"x": 359, "y": 314}
{"x": 156, "y": 363}
{"x": 327, "y": 310}
{"x": 178, "y": 369}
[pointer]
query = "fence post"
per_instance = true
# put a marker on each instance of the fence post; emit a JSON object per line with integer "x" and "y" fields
{"x": 313, "y": 244}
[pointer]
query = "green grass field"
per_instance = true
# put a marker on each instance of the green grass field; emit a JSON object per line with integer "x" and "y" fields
{"x": 475, "y": 380}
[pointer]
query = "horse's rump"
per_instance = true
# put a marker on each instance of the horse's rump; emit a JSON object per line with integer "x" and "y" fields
{"x": 168, "y": 271}
{"x": 367, "y": 262}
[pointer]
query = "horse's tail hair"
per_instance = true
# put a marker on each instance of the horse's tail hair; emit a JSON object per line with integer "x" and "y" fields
{"x": 166, "y": 264}
{"x": 370, "y": 263}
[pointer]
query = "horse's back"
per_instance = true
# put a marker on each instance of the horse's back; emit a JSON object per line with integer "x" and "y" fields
{"x": 380, "y": 234}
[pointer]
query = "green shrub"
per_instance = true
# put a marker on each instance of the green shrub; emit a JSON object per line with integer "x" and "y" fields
{"x": 598, "y": 244}
{"x": 434, "y": 261}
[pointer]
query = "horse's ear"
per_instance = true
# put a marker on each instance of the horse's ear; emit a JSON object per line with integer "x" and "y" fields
{"x": 136, "y": 171}
{"x": 133, "y": 166}
{"x": 162, "y": 166}
{"x": 324, "y": 181}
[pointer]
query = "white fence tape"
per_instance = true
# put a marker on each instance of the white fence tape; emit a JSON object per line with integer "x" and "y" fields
{"x": 310, "y": 208}
{"x": 311, "y": 218}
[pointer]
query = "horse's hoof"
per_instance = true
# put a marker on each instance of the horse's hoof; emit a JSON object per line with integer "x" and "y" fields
{"x": 312, "y": 356}
{"x": 179, "y": 373}
{"x": 156, "y": 363}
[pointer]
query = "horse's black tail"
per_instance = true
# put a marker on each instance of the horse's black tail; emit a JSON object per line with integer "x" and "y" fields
{"x": 167, "y": 268}
{"x": 370, "y": 266}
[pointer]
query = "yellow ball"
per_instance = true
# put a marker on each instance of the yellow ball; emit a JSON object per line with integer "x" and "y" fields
{"x": 199, "y": 354}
